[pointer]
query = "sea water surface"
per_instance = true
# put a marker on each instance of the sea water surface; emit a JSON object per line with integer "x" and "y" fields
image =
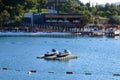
{"x": 98, "y": 58}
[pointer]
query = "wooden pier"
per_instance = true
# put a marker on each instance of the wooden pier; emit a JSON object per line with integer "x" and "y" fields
{"x": 67, "y": 57}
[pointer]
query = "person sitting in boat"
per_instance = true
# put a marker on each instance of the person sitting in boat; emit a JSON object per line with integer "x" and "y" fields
{"x": 67, "y": 51}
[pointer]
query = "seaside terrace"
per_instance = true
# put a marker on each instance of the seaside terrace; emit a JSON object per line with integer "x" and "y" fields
{"x": 56, "y": 22}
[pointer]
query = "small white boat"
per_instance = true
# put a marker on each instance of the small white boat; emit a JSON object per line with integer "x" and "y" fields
{"x": 117, "y": 33}
{"x": 48, "y": 56}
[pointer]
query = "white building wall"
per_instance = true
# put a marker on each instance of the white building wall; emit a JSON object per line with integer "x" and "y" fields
{"x": 29, "y": 15}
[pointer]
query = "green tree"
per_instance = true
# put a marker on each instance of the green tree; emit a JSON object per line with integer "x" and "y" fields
{"x": 70, "y": 6}
{"x": 93, "y": 10}
{"x": 87, "y": 18}
{"x": 88, "y": 5}
{"x": 108, "y": 14}
{"x": 96, "y": 22}
{"x": 4, "y": 18}
{"x": 0, "y": 20}
{"x": 114, "y": 20}
{"x": 61, "y": 8}
{"x": 114, "y": 13}
{"x": 13, "y": 6}
{"x": 100, "y": 13}
{"x": 29, "y": 4}
{"x": 99, "y": 7}
{"x": 41, "y": 4}
{"x": 107, "y": 7}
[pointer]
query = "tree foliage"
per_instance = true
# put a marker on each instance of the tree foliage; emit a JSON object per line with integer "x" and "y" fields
{"x": 41, "y": 4}
{"x": 114, "y": 20}
{"x": 4, "y": 17}
{"x": 15, "y": 9}
{"x": 70, "y": 6}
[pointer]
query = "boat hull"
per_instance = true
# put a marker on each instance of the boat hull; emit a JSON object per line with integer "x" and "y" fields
{"x": 52, "y": 54}
{"x": 58, "y": 58}
{"x": 62, "y": 55}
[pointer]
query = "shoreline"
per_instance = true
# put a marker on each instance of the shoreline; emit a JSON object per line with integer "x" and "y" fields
{"x": 90, "y": 34}
{"x": 32, "y": 33}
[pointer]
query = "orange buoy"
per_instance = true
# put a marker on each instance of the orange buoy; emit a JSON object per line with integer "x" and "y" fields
{"x": 33, "y": 71}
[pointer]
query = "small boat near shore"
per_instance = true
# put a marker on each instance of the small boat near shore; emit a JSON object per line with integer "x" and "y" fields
{"x": 117, "y": 33}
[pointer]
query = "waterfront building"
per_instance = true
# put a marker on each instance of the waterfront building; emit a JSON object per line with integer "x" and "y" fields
{"x": 55, "y": 22}
{"x": 94, "y": 27}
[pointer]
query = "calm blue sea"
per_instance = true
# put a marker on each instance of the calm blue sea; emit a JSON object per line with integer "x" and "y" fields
{"x": 99, "y": 56}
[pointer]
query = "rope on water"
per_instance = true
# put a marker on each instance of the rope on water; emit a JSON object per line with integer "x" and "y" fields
{"x": 52, "y": 72}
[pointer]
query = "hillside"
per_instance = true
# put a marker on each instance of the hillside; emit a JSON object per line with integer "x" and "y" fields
{"x": 13, "y": 11}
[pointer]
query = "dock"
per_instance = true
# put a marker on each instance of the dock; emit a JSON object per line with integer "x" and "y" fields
{"x": 67, "y": 57}
{"x": 58, "y": 58}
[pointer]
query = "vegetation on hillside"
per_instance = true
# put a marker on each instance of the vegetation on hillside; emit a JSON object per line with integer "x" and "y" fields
{"x": 12, "y": 11}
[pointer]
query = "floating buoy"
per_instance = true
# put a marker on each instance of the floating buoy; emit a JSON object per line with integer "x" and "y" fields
{"x": 69, "y": 72}
{"x": 50, "y": 72}
{"x": 5, "y": 68}
{"x": 116, "y": 74}
{"x": 17, "y": 70}
{"x": 88, "y": 73}
{"x": 33, "y": 71}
